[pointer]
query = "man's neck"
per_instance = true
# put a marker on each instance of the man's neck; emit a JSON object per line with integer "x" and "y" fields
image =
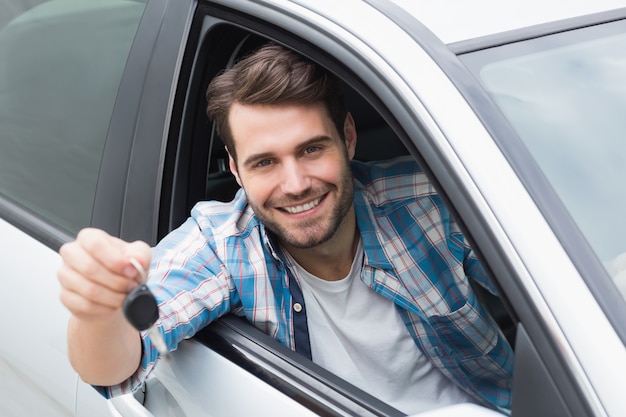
{"x": 331, "y": 260}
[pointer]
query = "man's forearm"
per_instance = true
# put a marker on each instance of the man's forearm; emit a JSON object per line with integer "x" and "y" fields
{"x": 104, "y": 353}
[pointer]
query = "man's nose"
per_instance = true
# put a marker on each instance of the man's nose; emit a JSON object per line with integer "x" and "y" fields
{"x": 296, "y": 179}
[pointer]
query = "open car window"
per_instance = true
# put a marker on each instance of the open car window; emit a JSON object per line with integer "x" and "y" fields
{"x": 207, "y": 177}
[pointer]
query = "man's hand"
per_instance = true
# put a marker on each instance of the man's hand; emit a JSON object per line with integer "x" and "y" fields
{"x": 96, "y": 275}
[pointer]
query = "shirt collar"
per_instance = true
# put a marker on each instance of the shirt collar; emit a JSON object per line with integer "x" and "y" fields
{"x": 371, "y": 235}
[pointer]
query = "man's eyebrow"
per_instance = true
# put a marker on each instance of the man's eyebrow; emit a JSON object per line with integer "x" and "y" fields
{"x": 315, "y": 140}
{"x": 321, "y": 139}
{"x": 256, "y": 157}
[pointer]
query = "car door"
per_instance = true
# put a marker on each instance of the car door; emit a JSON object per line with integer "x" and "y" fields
{"x": 61, "y": 63}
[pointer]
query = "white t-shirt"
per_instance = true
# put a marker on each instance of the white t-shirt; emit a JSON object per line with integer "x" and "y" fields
{"x": 359, "y": 335}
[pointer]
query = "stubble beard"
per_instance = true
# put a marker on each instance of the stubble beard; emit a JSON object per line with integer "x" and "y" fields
{"x": 313, "y": 232}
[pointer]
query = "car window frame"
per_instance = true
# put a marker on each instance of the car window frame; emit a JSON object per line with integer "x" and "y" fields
{"x": 289, "y": 372}
{"x": 130, "y": 192}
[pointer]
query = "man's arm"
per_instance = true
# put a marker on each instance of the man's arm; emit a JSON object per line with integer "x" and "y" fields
{"x": 96, "y": 275}
{"x": 104, "y": 353}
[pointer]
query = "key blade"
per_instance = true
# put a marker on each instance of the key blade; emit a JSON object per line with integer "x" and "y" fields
{"x": 157, "y": 338}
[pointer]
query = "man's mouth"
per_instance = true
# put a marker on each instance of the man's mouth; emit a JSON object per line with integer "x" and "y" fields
{"x": 304, "y": 207}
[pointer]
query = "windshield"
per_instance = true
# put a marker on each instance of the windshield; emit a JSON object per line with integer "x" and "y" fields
{"x": 565, "y": 95}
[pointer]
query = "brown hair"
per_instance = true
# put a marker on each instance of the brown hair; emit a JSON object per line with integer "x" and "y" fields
{"x": 273, "y": 75}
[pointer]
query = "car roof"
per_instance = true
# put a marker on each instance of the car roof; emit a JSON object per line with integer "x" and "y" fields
{"x": 462, "y": 20}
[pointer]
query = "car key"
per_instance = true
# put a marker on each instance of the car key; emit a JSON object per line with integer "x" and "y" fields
{"x": 141, "y": 310}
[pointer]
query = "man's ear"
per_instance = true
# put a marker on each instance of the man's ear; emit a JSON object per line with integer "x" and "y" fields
{"x": 233, "y": 167}
{"x": 349, "y": 134}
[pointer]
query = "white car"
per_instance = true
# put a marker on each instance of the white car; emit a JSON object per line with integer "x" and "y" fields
{"x": 516, "y": 109}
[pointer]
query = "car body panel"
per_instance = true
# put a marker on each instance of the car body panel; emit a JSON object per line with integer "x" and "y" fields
{"x": 449, "y": 20}
{"x": 170, "y": 393}
{"x": 41, "y": 347}
{"x": 33, "y": 352}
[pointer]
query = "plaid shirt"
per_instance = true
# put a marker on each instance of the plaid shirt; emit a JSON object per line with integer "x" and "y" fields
{"x": 222, "y": 260}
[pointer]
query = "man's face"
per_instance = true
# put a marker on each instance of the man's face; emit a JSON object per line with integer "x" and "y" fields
{"x": 294, "y": 168}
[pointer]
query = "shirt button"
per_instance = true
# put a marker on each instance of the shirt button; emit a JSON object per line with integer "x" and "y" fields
{"x": 297, "y": 307}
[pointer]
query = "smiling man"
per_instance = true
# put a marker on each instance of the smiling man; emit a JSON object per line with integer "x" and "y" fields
{"x": 357, "y": 266}
{"x": 294, "y": 168}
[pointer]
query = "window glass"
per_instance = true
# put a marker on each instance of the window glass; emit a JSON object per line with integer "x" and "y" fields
{"x": 565, "y": 95}
{"x": 61, "y": 63}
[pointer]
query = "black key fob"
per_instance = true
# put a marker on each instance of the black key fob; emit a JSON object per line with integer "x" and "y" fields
{"x": 140, "y": 308}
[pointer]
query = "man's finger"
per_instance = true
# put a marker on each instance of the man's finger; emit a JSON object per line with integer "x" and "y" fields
{"x": 79, "y": 261}
{"x": 91, "y": 291}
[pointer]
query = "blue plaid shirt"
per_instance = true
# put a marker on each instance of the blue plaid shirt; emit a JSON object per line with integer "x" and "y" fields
{"x": 222, "y": 260}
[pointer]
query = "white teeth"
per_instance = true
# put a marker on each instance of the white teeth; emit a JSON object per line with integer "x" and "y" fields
{"x": 304, "y": 207}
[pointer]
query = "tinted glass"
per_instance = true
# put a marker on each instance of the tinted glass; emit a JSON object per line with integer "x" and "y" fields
{"x": 565, "y": 95}
{"x": 61, "y": 63}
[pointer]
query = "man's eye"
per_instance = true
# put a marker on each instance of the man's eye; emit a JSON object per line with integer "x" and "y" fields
{"x": 264, "y": 163}
{"x": 312, "y": 149}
